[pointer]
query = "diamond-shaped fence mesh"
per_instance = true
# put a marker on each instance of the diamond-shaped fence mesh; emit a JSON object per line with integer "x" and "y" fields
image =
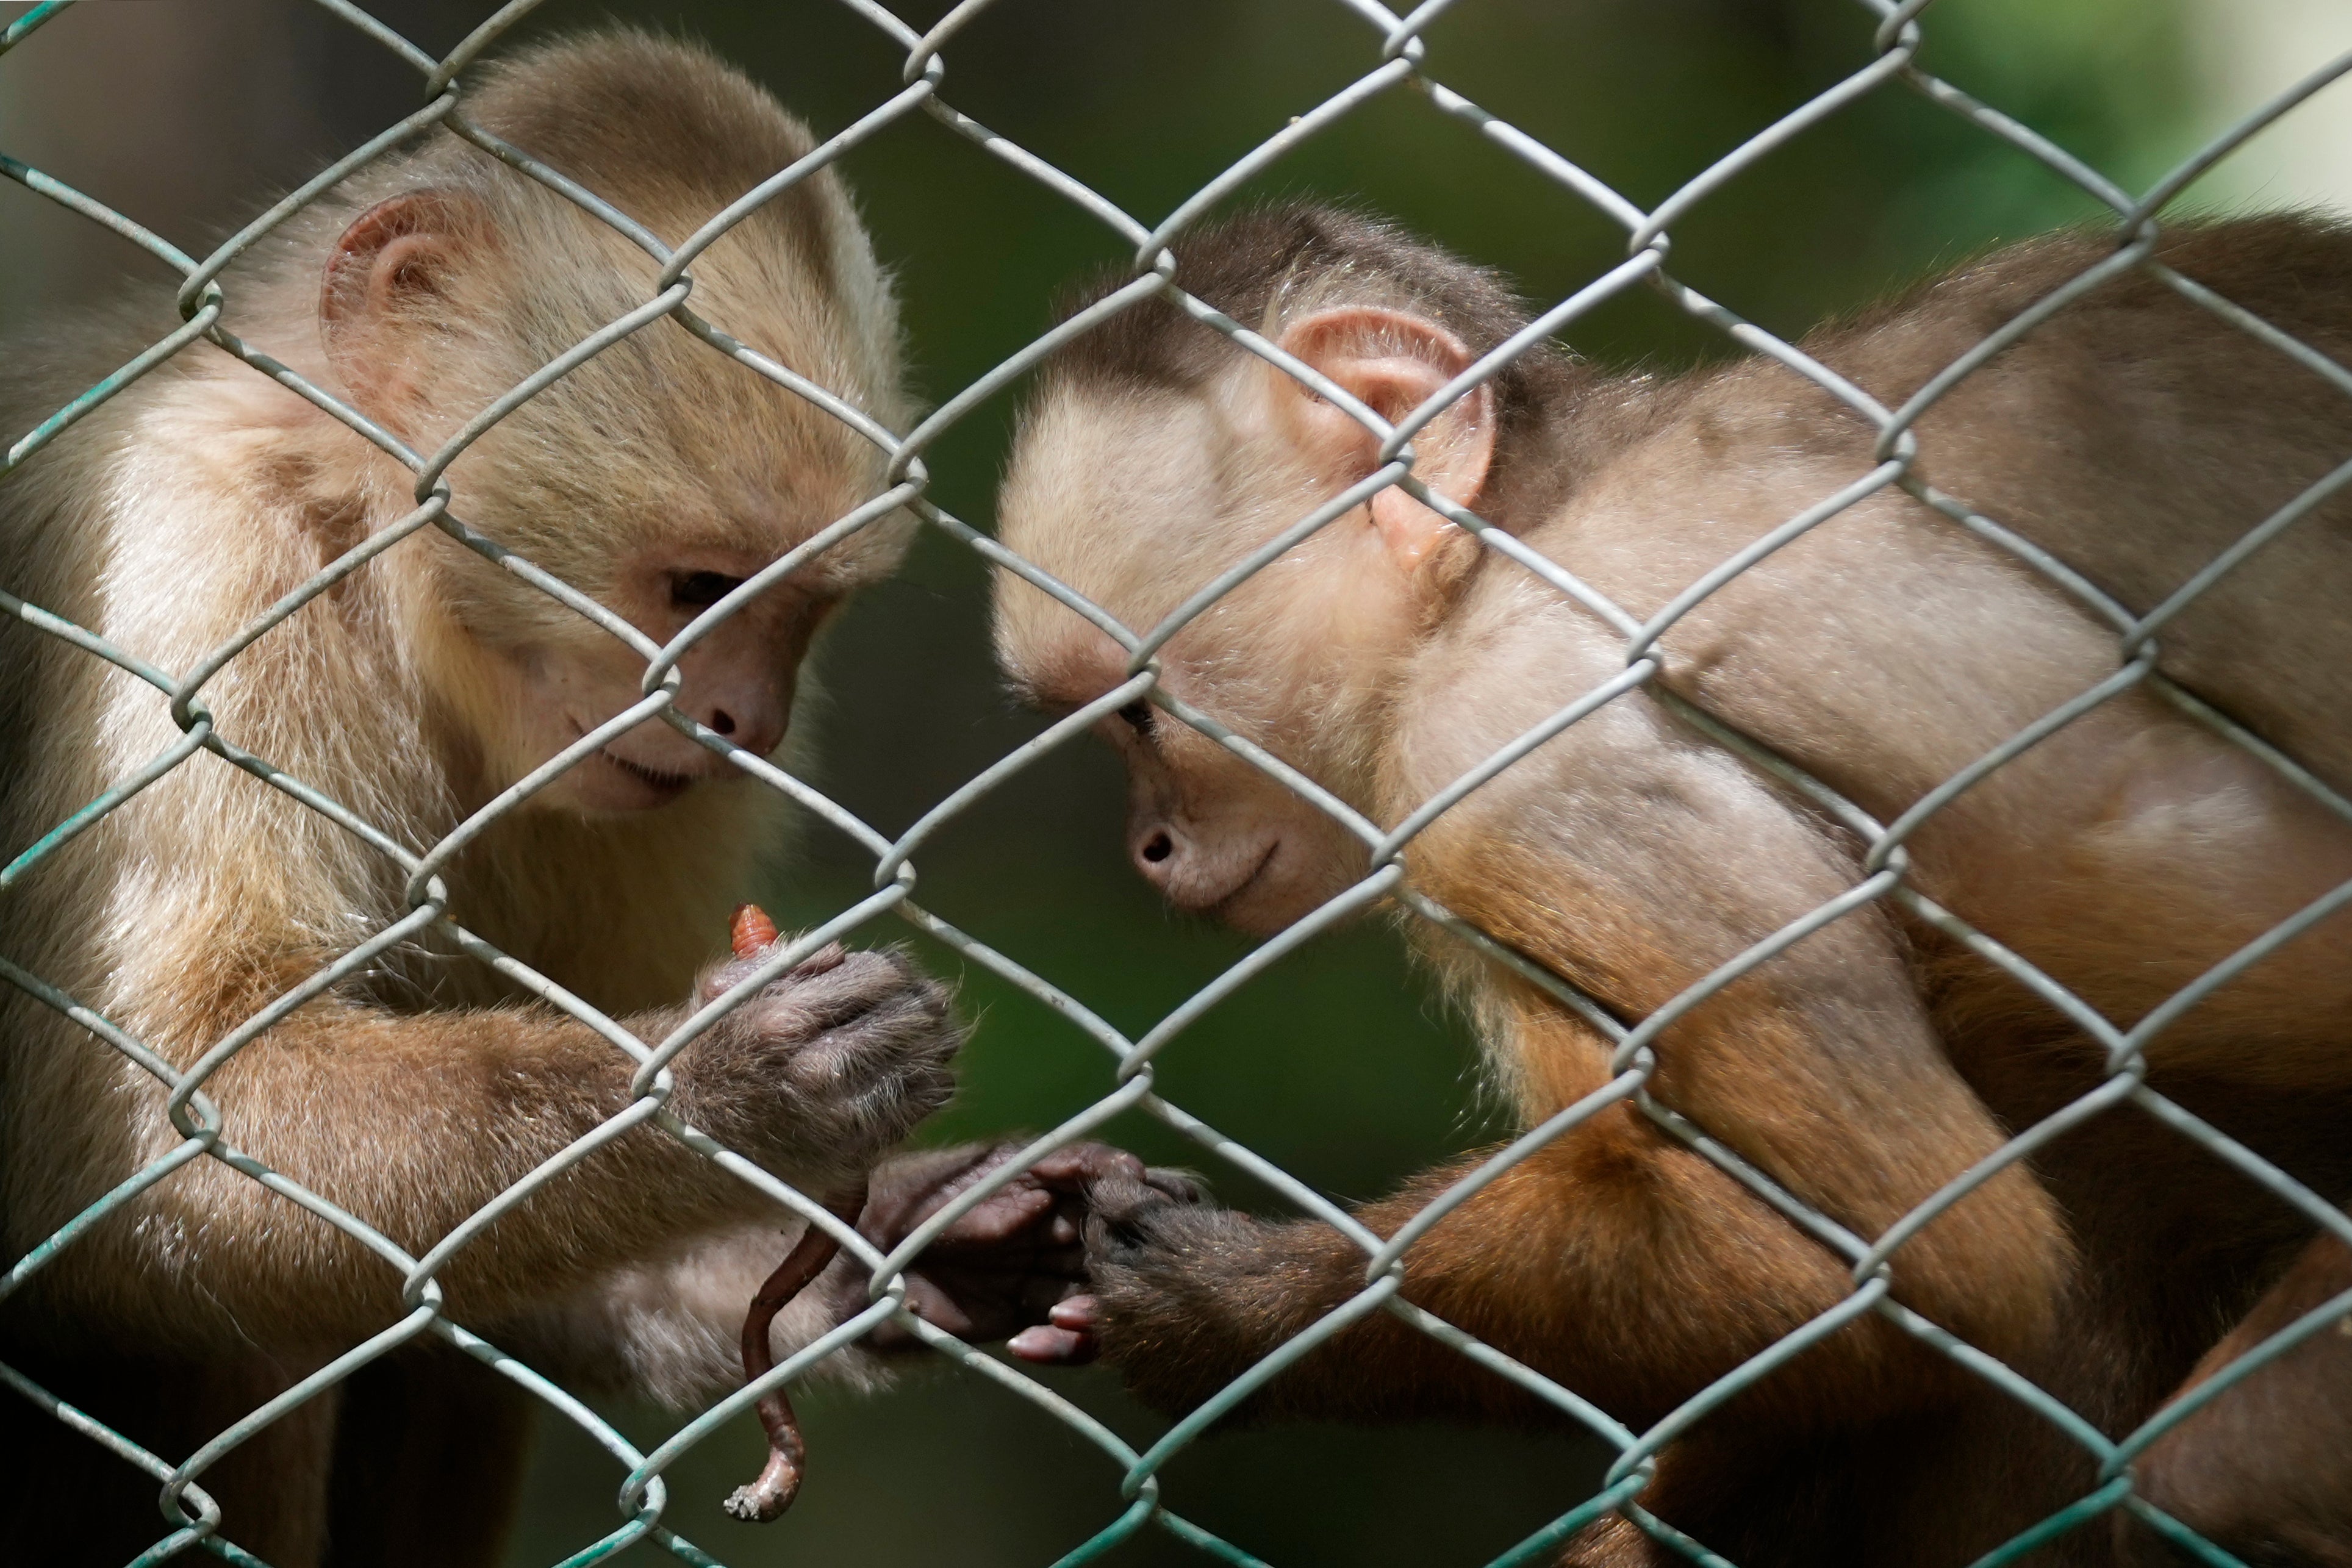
{"x": 189, "y": 1519}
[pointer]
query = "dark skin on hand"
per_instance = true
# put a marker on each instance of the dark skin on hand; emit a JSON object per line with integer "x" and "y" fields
{"x": 1097, "y": 1185}
{"x": 1013, "y": 1265}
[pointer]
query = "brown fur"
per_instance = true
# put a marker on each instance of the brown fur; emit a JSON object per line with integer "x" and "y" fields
{"x": 2267, "y": 1466}
{"x": 2136, "y": 436}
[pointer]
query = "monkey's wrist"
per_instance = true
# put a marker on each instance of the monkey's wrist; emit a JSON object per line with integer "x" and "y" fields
{"x": 1204, "y": 1297}
{"x": 709, "y": 1090}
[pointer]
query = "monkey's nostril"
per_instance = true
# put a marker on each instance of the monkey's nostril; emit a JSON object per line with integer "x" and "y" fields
{"x": 1158, "y": 847}
{"x": 723, "y": 722}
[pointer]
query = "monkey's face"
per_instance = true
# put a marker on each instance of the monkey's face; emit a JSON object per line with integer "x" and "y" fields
{"x": 655, "y": 478}
{"x": 554, "y": 675}
{"x": 674, "y": 567}
{"x": 1217, "y": 836}
{"x": 1135, "y": 503}
{"x": 1138, "y": 496}
{"x": 1214, "y": 833}
{"x": 736, "y": 681}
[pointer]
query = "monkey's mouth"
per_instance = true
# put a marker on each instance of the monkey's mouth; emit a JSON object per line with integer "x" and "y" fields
{"x": 1221, "y": 907}
{"x": 668, "y": 784}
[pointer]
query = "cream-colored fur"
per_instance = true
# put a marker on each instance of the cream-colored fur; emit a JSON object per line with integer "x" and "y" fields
{"x": 424, "y": 1085}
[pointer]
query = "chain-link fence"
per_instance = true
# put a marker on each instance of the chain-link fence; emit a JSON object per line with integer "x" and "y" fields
{"x": 1134, "y": 1499}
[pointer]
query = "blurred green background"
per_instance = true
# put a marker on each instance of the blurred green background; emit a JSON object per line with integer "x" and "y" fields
{"x": 1338, "y": 1065}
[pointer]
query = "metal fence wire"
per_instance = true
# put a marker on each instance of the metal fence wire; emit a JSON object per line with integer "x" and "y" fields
{"x": 191, "y": 1518}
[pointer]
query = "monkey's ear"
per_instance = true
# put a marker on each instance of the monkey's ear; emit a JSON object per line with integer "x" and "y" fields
{"x": 388, "y": 289}
{"x": 1391, "y": 361}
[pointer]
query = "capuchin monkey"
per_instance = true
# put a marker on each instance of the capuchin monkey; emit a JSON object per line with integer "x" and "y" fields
{"x": 653, "y": 477}
{"x": 2134, "y": 436}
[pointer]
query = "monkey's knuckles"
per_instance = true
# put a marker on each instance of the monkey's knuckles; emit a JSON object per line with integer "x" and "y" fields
{"x": 1000, "y": 1268}
{"x": 907, "y": 1189}
{"x": 845, "y": 1061}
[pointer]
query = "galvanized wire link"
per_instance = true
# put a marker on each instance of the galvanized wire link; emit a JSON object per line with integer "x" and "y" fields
{"x": 1133, "y": 1497}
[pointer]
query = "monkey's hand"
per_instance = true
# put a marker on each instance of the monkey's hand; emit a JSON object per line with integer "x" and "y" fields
{"x": 999, "y": 1269}
{"x": 1159, "y": 1261}
{"x": 823, "y": 1067}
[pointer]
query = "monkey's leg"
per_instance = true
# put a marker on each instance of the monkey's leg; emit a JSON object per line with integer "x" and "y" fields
{"x": 2265, "y": 1469}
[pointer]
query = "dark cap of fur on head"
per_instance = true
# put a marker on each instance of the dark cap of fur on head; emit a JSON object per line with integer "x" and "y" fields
{"x": 1271, "y": 265}
{"x": 1266, "y": 265}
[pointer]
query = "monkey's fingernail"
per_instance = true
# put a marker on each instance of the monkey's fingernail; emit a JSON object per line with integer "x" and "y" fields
{"x": 751, "y": 932}
{"x": 1077, "y": 1315}
{"x": 1064, "y": 1230}
{"x": 1049, "y": 1345}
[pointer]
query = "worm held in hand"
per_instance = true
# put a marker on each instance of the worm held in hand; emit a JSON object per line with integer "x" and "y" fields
{"x": 751, "y": 933}
{"x": 779, "y": 1480}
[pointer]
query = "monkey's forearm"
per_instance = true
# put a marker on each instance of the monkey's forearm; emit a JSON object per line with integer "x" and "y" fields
{"x": 414, "y": 1124}
{"x": 1214, "y": 1293}
{"x": 1628, "y": 1270}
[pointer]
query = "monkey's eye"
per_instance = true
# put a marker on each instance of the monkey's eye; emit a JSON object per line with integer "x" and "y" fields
{"x": 1140, "y": 718}
{"x": 700, "y": 590}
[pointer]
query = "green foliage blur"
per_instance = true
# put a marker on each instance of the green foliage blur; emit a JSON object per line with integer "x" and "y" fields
{"x": 1338, "y": 1064}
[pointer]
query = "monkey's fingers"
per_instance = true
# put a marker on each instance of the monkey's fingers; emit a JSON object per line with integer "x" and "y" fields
{"x": 826, "y": 959}
{"x": 1066, "y": 1339}
{"x": 1078, "y": 1314}
{"x": 1080, "y": 1165}
{"x": 1183, "y": 1186}
{"x": 1083, "y": 1168}
{"x": 1045, "y": 1345}
{"x": 997, "y": 1219}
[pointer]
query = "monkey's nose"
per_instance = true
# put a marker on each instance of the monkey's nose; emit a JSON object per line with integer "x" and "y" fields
{"x": 1157, "y": 847}
{"x": 749, "y": 722}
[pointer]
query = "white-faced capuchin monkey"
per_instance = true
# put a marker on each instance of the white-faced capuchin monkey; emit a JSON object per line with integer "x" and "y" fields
{"x": 653, "y": 477}
{"x": 2136, "y": 436}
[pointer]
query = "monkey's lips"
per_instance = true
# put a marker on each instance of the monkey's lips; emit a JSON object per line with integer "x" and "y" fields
{"x": 1232, "y": 904}
{"x": 606, "y": 781}
{"x": 623, "y": 785}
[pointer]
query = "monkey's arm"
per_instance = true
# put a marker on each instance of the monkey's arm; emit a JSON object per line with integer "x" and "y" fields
{"x": 669, "y": 1327}
{"x": 1622, "y": 1266}
{"x": 416, "y": 1121}
{"x": 1615, "y": 1259}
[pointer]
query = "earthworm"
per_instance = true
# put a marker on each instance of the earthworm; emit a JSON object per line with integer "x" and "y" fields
{"x": 751, "y": 932}
{"x": 780, "y": 1481}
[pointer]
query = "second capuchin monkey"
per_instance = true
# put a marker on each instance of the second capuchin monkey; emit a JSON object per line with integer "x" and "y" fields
{"x": 418, "y": 1087}
{"x": 2134, "y": 436}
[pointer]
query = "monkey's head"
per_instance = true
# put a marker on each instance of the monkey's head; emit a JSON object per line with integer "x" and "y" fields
{"x": 1156, "y": 455}
{"x": 657, "y": 475}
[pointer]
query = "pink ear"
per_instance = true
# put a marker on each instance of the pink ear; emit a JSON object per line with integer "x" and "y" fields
{"x": 389, "y": 274}
{"x": 1392, "y": 363}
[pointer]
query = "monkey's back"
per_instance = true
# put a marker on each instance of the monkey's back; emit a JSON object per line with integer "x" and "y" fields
{"x": 2140, "y": 437}
{"x": 2136, "y": 437}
